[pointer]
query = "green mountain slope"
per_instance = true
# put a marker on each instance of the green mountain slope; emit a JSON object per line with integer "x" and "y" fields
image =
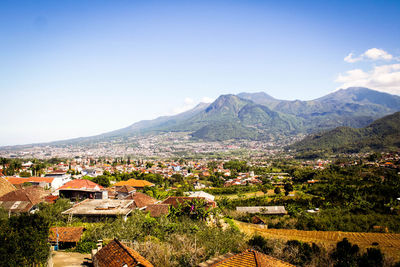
{"x": 354, "y": 107}
{"x": 382, "y": 134}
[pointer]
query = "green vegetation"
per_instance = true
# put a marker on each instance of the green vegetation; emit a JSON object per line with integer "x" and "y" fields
{"x": 23, "y": 241}
{"x": 167, "y": 241}
{"x": 383, "y": 134}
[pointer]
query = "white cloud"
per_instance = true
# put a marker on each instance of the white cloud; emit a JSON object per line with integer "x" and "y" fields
{"x": 385, "y": 78}
{"x": 371, "y": 54}
{"x": 377, "y": 54}
{"x": 207, "y": 99}
{"x": 188, "y": 104}
{"x": 349, "y": 58}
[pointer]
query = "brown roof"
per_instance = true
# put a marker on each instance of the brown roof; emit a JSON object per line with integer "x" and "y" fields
{"x": 158, "y": 210}
{"x": 33, "y": 194}
{"x": 125, "y": 189}
{"x": 22, "y": 200}
{"x": 141, "y": 200}
{"x": 117, "y": 254}
{"x": 66, "y": 234}
{"x": 19, "y": 180}
{"x": 249, "y": 258}
{"x": 5, "y": 187}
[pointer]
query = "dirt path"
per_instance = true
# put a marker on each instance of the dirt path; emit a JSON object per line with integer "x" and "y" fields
{"x": 69, "y": 259}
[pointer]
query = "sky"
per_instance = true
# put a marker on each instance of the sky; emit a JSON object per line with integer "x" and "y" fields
{"x": 79, "y": 68}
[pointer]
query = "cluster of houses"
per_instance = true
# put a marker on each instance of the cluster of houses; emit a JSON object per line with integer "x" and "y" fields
{"x": 93, "y": 202}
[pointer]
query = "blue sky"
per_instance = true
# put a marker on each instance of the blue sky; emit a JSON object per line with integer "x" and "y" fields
{"x": 79, "y": 68}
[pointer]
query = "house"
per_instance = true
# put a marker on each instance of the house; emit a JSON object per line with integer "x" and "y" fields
{"x": 270, "y": 210}
{"x": 22, "y": 200}
{"x": 175, "y": 201}
{"x": 122, "y": 192}
{"x": 116, "y": 254}
{"x": 138, "y": 184}
{"x": 96, "y": 209}
{"x": 202, "y": 194}
{"x": 258, "y": 220}
{"x": 60, "y": 177}
{"x": 248, "y": 258}
{"x": 5, "y": 187}
{"x": 81, "y": 189}
{"x": 65, "y": 237}
{"x": 45, "y": 182}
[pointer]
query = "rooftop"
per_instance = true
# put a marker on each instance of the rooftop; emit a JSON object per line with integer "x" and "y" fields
{"x": 66, "y": 234}
{"x": 101, "y": 207}
{"x": 5, "y": 187}
{"x": 116, "y": 254}
{"x": 18, "y": 180}
{"x": 81, "y": 184}
{"x": 248, "y": 258}
{"x": 141, "y": 200}
{"x": 134, "y": 183}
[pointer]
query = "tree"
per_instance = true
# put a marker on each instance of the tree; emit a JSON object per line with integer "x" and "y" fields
{"x": 149, "y": 165}
{"x": 23, "y": 241}
{"x": 288, "y": 187}
{"x": 101, "y": 180}
{"x": 277, "y": 190}
{"x": 260, "y": 243}
{"x": 299, "y": 253}
{"x": 345, "y": 254}
{"x": 372, "y": 258}
{"x": 24, "y": 174}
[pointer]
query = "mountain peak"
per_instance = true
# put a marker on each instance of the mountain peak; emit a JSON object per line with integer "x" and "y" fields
{"x": 363, "y": 95}
{"x": 227, "y": 103}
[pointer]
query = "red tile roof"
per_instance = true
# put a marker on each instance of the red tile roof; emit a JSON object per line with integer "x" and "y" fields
{"x": 80, "y": 184}
{"x": 135, "y": 183}
{"x": 66, "y": 234}
{"x": 249, "y": 258}
{"x": 116, "y": 254}
{"x": 18, "y": 180}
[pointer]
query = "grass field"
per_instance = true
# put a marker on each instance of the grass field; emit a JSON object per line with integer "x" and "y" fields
{"x": 388, "y": 243}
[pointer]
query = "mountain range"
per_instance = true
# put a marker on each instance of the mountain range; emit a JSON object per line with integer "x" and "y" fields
{"x": 382, "y": 134}
{"x": 259, "y": 116}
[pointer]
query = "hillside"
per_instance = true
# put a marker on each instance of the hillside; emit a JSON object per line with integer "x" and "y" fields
{"x": 353, "y": 107}
{"x": 382, "y": 134}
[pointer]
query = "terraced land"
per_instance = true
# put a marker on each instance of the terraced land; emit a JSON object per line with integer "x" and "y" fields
{"x": 388, "y": 243}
